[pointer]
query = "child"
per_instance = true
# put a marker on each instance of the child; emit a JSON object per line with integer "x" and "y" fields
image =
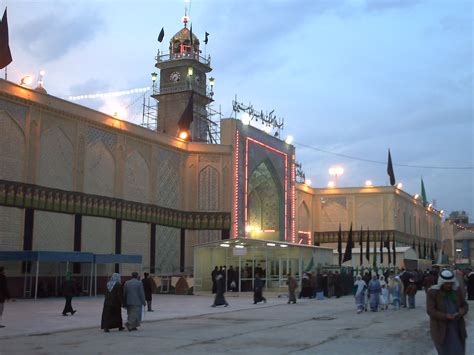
{"x": 396, "y": 292}
{"x": 384, "y": 298}
{"x": 411, "y": 292}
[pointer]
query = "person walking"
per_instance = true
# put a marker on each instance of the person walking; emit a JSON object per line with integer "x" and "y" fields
{"x": 148, "y": 288}
{"x": 133, "y": 301}
{"x": 4, "y": 294}
{"x": 68, "y": 290}
{"x": 220, "y": 290}
{"x": 411, "y": 293}
{"x": 446, "y": 306}
{"x": 112, "y": 311}
{"x": 292, "y": 285}
{"x": 213, "y": 278}
{"x": 374, "y": 293}
{"x": 258, "y": 290}
{"x": 360, "y": 288}
{"x": 396, "y": 290}
{"x": 470, "y": 286}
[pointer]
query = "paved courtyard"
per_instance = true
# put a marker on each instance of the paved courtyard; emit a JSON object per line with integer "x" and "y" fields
{"x": 188, "y": 325}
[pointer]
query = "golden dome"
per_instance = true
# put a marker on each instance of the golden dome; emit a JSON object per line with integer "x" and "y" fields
{"x": 183, "y": 36}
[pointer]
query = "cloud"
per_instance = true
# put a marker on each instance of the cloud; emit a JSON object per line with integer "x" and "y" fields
{"x": 49, "y": 37}
{"x": 383, "y": 5}
{"x": 89, "y": 86}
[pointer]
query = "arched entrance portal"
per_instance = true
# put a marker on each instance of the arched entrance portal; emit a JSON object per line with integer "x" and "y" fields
{"x": 265, "y": 204}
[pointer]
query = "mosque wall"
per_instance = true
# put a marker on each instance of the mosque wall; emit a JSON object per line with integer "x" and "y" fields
{"x": 58, "y": 144}
{"x": 381, "y": 209}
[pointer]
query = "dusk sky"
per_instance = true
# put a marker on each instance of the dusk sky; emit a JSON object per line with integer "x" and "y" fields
{"x": 351, "y": 77}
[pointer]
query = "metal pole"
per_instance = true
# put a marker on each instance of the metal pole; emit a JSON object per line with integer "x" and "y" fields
{"x": 92, "y": 276}
{"x": 24, "y": 283}
{"x": 95, "y": 267}
{"x": 240, "y": 273}
{"x": 300, "y": 269}
{"x": 37, "y": 274}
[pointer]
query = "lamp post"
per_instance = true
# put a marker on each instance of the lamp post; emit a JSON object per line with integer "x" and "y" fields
{"x": 458, "y": 254}
{"x": 336, "y": 171}
{"x": 211, "y": 84}
{"x": 154, "y": 76}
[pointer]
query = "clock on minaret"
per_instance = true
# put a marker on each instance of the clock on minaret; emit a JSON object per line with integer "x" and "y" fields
{"x": 183, "y": 76}
{"x": 175, "y": 76}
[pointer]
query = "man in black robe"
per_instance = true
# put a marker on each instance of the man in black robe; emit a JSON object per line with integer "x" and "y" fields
{"x": 4, "y": 294}
{"x": 219, "y": 300}
{"x": 258, "y": 290}
{"x": 148, "y": 288}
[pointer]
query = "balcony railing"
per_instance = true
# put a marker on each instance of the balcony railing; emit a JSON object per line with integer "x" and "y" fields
{"x": 184, "y": 86}
{"x": 179, "y": 56}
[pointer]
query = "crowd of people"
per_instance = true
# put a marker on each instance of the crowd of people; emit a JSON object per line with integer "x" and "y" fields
{"x": 445, "y": 301}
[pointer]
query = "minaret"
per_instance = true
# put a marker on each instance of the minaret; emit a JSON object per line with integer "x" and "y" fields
{"x": 183, "y": 78}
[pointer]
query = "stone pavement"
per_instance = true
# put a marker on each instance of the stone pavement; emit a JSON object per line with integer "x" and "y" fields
{"x": 187, "y": 324}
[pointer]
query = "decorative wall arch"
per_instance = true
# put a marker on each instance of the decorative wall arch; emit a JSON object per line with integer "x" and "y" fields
{"x": 99, "y": 170}
{"x": 12, "y": 148}
{"x": 304, "y": 217}
{"x": 56, "y": 159}
{"x": 136, "y": 178}
{"x": 265, "y": 199}
{"x": 208, "y": 193}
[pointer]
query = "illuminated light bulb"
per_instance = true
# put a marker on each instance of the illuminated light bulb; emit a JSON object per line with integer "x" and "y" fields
{"x": 248, "y": 228}
{"x": 26, "y": 80}
{"x": 307, "y": 182}
{"x": 183, "y": 135}
{"x": 331, "y": 184}
{"x": 336, "y": 170}
{"x": 399, "y": 186}
{"x": 368, "y": 183}
{"x": 289, "y": 140}
{"x": 416, "y": 196}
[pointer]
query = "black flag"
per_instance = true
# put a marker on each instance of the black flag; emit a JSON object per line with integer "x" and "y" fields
{"x": 187, "y": 117}
{"x": 390, "y": 169}
{"x": 206, "y": 38}
{"x": 360, "y": 244}
{"x": 367, "y": 247}
{"x": 5, "y": 53}
{"x": 348, "y": 252}
{"x": 387, "y": 245}
{"x": 394, "y": 251}
{"x": 381, "y": 249}
{"x": 161, "y": 35}
{"x": 339, "y": 244}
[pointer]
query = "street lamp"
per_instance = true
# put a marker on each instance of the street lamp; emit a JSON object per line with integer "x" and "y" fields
{"x": 336, "y": 171}
{"x": 154, "y": 76}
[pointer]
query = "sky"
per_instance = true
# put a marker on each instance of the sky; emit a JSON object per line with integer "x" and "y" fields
{"x": 351, "y": 78}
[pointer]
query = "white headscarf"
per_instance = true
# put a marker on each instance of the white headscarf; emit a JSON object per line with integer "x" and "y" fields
{"x": 360, "y": 285}
{"x": 115, "y": 278}
{"x": 446, "y": 276}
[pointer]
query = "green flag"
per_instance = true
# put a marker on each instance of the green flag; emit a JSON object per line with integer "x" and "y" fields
{"x": 423, "y": 193}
